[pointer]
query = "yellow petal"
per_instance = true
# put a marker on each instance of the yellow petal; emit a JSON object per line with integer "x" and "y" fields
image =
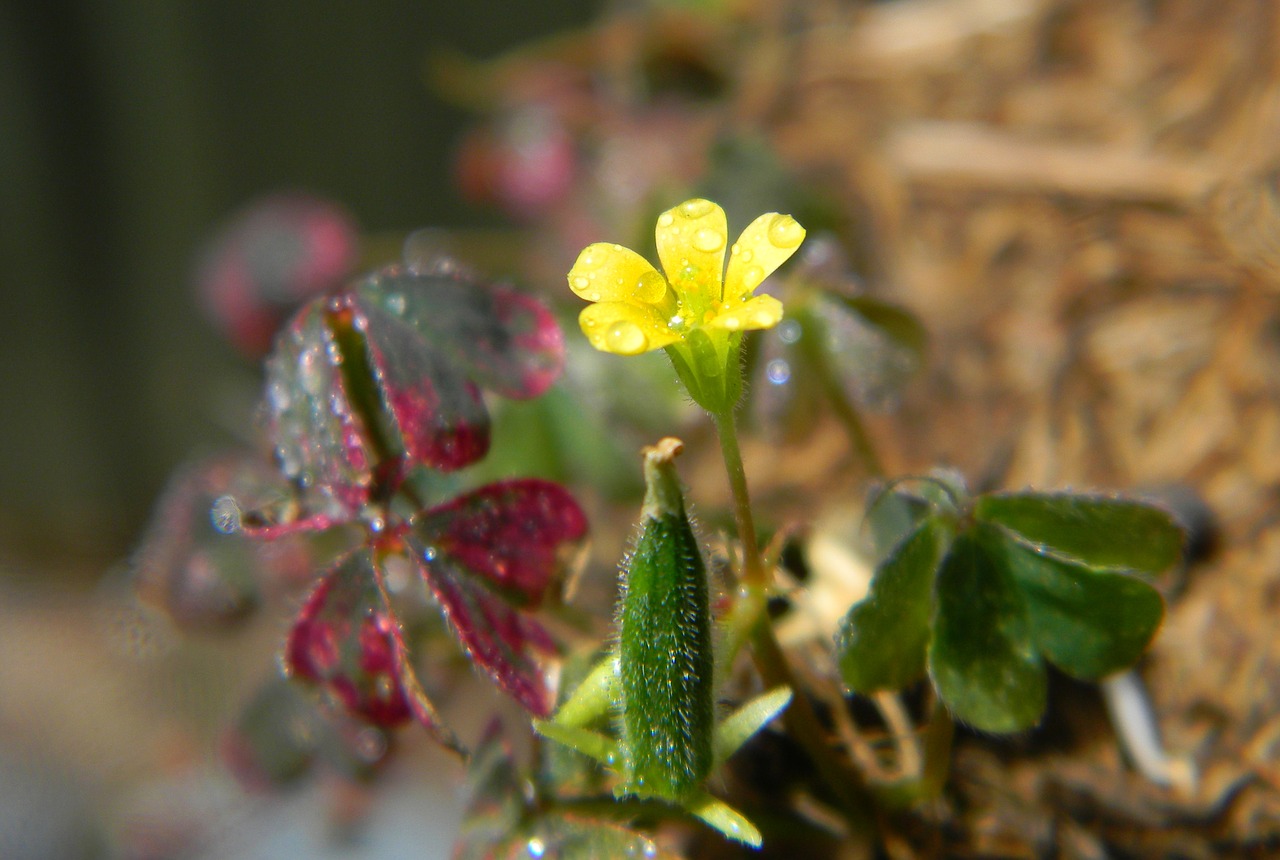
{"x": 691, "y": 242}
{"x": 764, "y": 246}
{"x": 612, "y": 273}
{"x": 625, "y": 328}
{"x": 759, "y": 312}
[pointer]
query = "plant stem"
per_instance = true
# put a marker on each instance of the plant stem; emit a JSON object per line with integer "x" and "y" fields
{"x": 753, "y": 573}
{"x": 799, "y": 718}
{"x": 938, "y": 735}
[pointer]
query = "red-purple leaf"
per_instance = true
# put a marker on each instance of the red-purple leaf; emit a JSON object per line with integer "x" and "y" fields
{"x": 321, "y": 441}
{"x": 504, "y": 340}
{"x": 516, "y": 535}
{"x": 345, "y": 640}
{"x": 269, "y": 258}
{"x": 438, "y": 413}
{"x": 498, "y": 638}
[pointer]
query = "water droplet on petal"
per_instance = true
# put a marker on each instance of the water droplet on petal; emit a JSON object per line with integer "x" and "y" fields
{"x": 676, "y": 321}
{"x": 708, "y": 241}
{"x": 696, "y": 208}
{"x": 747, "y": 256}
{"x": 580, "y": 282}
{"x": 732, "y": 323}
{"x": 626, "y": 338}
{"x": 666, "y": 219}
{"x": 651, "y": 288}
{"x": 753, "y": 276}
{"x": 789, "y": 331}
{"x": 594, "y": 295}
{"x": 761, "y": 319}
{"x": 226, "y": 515}
{"x": 784, "y": 232}
{"x": 778, "y": 371}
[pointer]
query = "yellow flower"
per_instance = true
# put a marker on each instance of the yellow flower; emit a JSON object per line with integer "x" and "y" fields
{"x": 637, "y": 309}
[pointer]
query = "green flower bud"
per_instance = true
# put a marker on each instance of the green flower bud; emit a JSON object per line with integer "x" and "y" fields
{"x": 664, "y": 643}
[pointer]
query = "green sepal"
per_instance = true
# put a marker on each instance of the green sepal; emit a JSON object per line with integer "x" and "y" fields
{"x": 1100, "y": 531}
{"x": 1087, "y": 622}
{"x": 982, "y": 658}
{"x": 602, "y": 748}
{"x": 882, "y": 642}
{"x": 724, "y": 818}
{"x": 709, "y": 367}
{"x": 666, "y": 664}
{"x": 740, "y": 726}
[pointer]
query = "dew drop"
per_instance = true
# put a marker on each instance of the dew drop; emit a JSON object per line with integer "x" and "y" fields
{"x": 370, "y": 745}
{"x": 789, "y": 331}
{"x": 778, "y": 371}
{"x": 708, "y": 241}
{"x": 396, "y": 304}
{"x": 696, "y": 208}
{"x": 580, "y": 282}
{"x": 747, "y": 256}
{"x": 625, "y": 338}
{"x": 226, "y": 515}
{"x": 309, "y": 370}
{"x": 676, "y": 321}
{"x": 650, "y": 288}
{"x": 732, "y": 323}
{"x": 594, "y": 295}
{"x": 761, "y": 319}
{"x": 429, "y": 553}
{"x": 666, "y": 219}
{"x": 784, "y": 232}
{"x": 753, "y": 276}
{"x": 650, "y": 849}
{"x": 536, "y": 847}
{"x": 278, "y": 396}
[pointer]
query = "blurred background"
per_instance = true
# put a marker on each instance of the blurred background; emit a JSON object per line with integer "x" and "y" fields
{"x": 129, "y": 133}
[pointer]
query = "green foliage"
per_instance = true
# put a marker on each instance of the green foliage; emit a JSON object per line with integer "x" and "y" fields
{"x": 982, "y": 592}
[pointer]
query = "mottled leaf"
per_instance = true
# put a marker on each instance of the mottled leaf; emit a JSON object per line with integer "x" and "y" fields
{"x": 504, "y": 340}
{"x": 1087, "y": 622}
{"x": 190, "y": 566}
{"x": 882, "y": 642}
{"x": 1100, "y": 531}
{"x": 515, "y": 535}
{"x": 345, "y": 641}
{"x": 321, "y": 441}
{"x": 437, "y": 413}
{"x": 502, "y": 542}
{"x": 269, "y": 258}
{"x": 982, "y": 657}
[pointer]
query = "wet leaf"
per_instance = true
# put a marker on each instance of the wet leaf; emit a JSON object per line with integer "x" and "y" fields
{"x": 983, "y": 658}
{"x": 1087, "y": 622}
{"x": 269, "y": 258}
{"x": 882, "y": 643}
{"x": 489, "y": 552}
{"x": 1100, "y": 531}
{"x": 345, "y": 641}
{"x": 191, "y": 567}
{"x": 503, "y": 340}
{"x": 438, "y": 417}
{"x": 515, "y": 535}
{"x": 321, "y": 442}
